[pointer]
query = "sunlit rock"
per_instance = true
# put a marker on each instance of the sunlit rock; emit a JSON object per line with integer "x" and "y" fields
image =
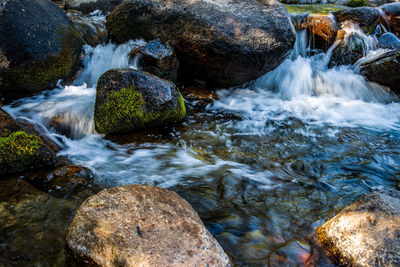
{"x": 365, "y": 233}
{"x": 321, "y": 29}
{"x": 222, "y": 42}
{"x": 139, "y": 225}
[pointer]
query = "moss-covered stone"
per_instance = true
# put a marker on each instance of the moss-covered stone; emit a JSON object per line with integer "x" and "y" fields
{"x": 357, "y": 3}
{"x": 18, "y": 151}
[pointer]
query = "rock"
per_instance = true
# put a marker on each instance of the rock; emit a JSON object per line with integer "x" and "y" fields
{"x": 389, "y": 40}
{"x": 21, "y": 148}
{"x": 87, "y": 6}
{"x": 384, "y": 69}
{"x": 351, "y": 48}
{"x": 93, "y": 32}
{"x": 39, "y": 45}
{"x": 365, "y": 233}
{"x": 225, "y": 42}
{"x": 139, "y": 225}
{"x": 321, "y": 29}
{"x": 128, "y": 100}
{"x": 63, "y": 181}
{"x": 158, "y": 58}
{"x": 366, "y": 17}
{"x": 392, "y": 12}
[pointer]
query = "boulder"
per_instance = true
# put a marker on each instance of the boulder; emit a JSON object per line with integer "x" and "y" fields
{"x": 321, "y": 29}
{"x": 92, "y": 31}
{"x": 351, "y": 48}
{"x": 392, "y": 12}
{"x": 157, "y": 58}
{"x": 129, "y": 100}
{"x": 39, "y": 45}
{"x": 366, "y": 17}
{"x": 383, "y": 69}
{"x": 389, "y": 41}
{"x": 365, "y": 233}
{"x": 225, "y": 42}
{"x": 139, "y": 225}
{"x": 87, "y": 6}
{"x": 21, "y": 148}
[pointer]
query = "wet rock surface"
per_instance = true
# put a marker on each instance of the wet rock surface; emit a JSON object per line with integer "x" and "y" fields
{"x": 384, "y": 69}
{"x": 350, "y": 49}
{"x": 141, "y": 225}
{"x": 224, "y": 43}
{"x": 392, "y": 12}
{"x": 128, "y": 100}
{"x": 365, "y": 17}
{"x": 321, "y": 29}
{"x": 365, "y": 233}
{"x": 157, "y": 58}
{"x": 39, "y": 45}
{"x": 87, "y": 6}
{"x": 93, "y": 32}
{"x": 389, "y": 40}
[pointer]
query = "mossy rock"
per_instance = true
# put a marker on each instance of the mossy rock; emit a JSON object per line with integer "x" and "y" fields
{"x": 357, "y": 3}
{"x": 39, "y": 45}
{"x": 129, "y": 100}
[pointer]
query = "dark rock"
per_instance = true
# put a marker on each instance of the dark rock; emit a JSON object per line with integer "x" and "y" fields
{"x": 384, "y": 70}
{"x": 93, "y": 32}
{"x": 128, "y": 100}
{"x": 392, "y": 12}
{"x": 366, "y": 17}
{"x": 158, "y": 58}
{"x": 87, "y": 6}
{"x": 140, "y": 225}
{"x": 39, "y": 45}
{"x": 225, "y": 43}
{"x": 321, "y": 29}
{"x": 21, "y": 148}
{"x": 365, "y": 233}
{"x": 350, "y": 49}
{"x": 389, "y": 40}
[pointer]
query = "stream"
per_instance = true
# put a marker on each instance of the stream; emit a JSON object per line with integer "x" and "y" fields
{"x": 263, "y": 166}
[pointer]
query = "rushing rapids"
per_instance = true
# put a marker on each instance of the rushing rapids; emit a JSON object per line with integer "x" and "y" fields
{"x": 262, "y": 166}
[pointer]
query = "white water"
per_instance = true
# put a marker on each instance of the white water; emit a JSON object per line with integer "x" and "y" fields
{"x": 302, "y": 87}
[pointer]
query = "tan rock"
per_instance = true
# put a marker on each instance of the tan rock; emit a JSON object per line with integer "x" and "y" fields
{"x": 139, "y": 225}
{"x": 366, "y": 233}
{"x": 322, "y": 29}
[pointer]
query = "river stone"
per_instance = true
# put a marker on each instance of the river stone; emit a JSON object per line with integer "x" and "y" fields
{"x": 129, "y": 100}
{"x": 366, "y": 17}
{"x": 384, "y": 69}
{"x": 392, "y": 12}
{"x": 39, "y": 45}
{"x": 350, "y": 49}
{"x": 21, "y": 148}
{"x": 222, "y": 42}
{"x": 389, "y": 40}
{"x": 87, "y": 6}
{"x": 365, "y": 233}
{"x": 140, "y": 225}
{"x": 321, "y": 29}
{"x": 158, "y": 58}
{"x": 93, "y": 32}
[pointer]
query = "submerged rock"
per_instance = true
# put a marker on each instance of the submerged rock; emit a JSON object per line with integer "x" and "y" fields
{"x": 366, "y": 17}
{"x": 383, "y": 69}
{"x": 39, "y": 45}
{"x": 128, "y": 100}
{"x": 139, "y": 225}
{"x": 321, "y": 29}
{"x": 21, "y": 148}
{"x": 224, "y": 43}
{"x": 392, "y": 12}
{"x": 366, "y": 233}
{"x": 158, "y": 58}
{"x": 87, "y": 6}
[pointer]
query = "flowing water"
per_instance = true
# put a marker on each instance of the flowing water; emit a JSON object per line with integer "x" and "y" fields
{"x": 263, "y": 165}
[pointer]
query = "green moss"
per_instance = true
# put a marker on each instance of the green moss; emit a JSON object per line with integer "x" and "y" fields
{"x": 18, "y": 151}
{"x": 357, "y": 3}
{"x": 124, "y": 112}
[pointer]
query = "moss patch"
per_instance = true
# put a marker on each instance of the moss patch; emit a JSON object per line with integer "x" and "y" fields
{"x": 124, "y": 111}
{"x": 18, "y": 151}
{"x": 357, "y": 3}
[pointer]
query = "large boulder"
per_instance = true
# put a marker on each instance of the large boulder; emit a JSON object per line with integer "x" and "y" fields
{"x": 366, "y": 17}
{"x": 392, "y": 12}
{"x": 383, "y": 69}
{"x": 39, "y": 45}
{"x": 87, "y": 6}
{"x": 366, "y": 233}
{"x": 21, "y": 148}
{"x": 129, "y": 100}
{"x": 157, "y": 58}
{"x": 224, "y": 42}
{"x": 139, "y": 225}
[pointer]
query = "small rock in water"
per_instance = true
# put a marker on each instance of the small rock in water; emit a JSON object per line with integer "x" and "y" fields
{"x": 389, "y": 40}
{"x": 365, "y": 233}
{"x": 139, "y": 225}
